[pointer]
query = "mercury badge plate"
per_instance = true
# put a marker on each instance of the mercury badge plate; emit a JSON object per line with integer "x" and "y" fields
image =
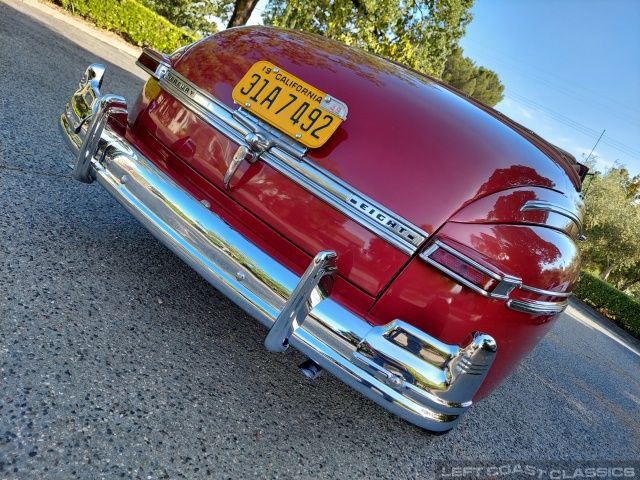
{"x": 289, "y": 104}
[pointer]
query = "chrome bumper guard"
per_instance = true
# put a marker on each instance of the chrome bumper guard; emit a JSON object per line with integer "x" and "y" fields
{"x": 403, "y": 369}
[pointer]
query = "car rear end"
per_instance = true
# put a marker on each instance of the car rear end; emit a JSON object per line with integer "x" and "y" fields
{"x": 397, "y": 252}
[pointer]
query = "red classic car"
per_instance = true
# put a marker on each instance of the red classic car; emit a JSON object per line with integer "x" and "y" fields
{"x": 411, "y": 241}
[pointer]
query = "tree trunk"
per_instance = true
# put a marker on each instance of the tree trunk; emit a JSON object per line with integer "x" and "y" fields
{"x": 606, "y": 273}
{"x": 625, "y": 286}
{"x": 241, "y": 12}
{"x": 631, "y": 280}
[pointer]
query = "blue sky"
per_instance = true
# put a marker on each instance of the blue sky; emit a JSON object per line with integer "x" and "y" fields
{"x": 571, "y": 69}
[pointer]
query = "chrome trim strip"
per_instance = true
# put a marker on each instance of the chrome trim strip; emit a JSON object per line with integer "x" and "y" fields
{"x": 204, "y": 105}
{"x": 234, "y": 124}
{"x": 287, "y": 157}
{"x": 506, "y": 283}
{"x": 536, "y": 307}
{"x": 336, "y": 193}
{"x": 543, "y": 205}
{"x": 394, "y": 376}
{"x": 540, "y": 291}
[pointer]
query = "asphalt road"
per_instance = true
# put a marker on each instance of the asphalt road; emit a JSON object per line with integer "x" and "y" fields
{"x": 118, "y": 361}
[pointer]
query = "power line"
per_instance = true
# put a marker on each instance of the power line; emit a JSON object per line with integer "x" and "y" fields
{"x": 570, "y": 90}
{"x": 577, "y": 96}
{"x": 569, "y": 122}
{"x": 627, "y": 150}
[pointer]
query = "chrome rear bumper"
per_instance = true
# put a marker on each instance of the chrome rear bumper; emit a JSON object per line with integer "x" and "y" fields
{"x": 408, "y": 372}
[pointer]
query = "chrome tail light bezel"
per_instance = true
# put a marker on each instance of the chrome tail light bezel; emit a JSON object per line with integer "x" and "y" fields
{"x": 505, "y": 283}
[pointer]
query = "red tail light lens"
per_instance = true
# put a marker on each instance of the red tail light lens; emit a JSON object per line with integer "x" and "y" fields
{"x": 153, "y": 62}
{"x": 468, "y": 271}
{"x": 463, "y": 269}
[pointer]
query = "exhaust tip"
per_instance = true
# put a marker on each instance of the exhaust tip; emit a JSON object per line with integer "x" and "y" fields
{"x": 310, "y": 369}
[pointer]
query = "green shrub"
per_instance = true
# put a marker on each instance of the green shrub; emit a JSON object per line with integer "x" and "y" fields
{"x": 620, "y": 308}
{"x": 133, "y": 21}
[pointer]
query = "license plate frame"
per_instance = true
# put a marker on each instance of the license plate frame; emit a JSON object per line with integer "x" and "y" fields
{"x": 290, "y": 104}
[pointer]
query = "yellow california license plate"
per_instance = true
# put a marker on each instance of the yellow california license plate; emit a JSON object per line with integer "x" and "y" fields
{"x": 289, "y": 104}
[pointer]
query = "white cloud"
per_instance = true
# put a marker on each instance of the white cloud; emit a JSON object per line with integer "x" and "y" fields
{"x": 566, "y": 143}
{"x": 515, "y": 110}
{"x": 525, "y": 112}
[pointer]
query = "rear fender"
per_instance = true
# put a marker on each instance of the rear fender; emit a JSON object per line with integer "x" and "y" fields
{"x": 541, "y": 263}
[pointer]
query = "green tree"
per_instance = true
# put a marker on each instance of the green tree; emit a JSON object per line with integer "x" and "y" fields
{"x": 612, "y": 226}
{"x": 195, "y": 17}
{"x": 418, "y": 33}
{"x": 478, "y": 82}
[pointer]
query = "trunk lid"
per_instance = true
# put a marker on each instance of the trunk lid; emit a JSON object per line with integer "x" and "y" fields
{"x": 418, "y": 149}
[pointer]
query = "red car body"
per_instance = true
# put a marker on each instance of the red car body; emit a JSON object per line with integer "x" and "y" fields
{"x": 448, "y": 226}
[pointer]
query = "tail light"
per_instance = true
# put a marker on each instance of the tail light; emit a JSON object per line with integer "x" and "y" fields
{"x": 154, "y": 63}
{"x": 469, "y": 269}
